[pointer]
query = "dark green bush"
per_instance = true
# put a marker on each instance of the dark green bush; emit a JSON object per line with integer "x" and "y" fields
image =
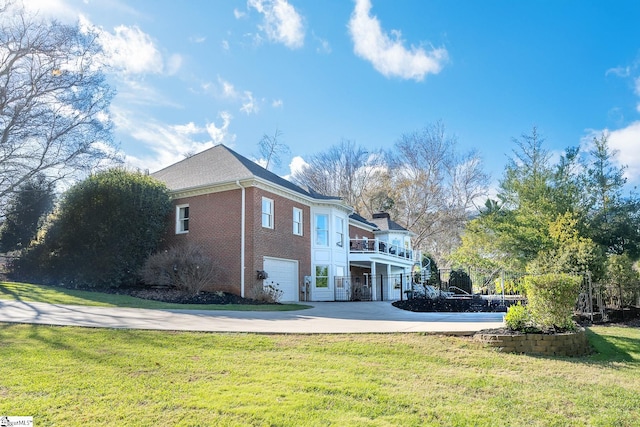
{"x": 104, "y": 229}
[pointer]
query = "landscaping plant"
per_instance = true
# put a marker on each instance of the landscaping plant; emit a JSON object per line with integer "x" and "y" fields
{"x": 184, "y": 267}
{"x": 551, "y": 299}
{"x": 104, "y": 229}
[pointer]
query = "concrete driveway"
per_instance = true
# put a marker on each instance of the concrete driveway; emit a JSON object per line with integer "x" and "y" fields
{"x": 322, "y": 318}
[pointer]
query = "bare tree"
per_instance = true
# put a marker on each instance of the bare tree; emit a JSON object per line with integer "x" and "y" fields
{"x": 53, "y": 101}
{"x": 347, "y": 171}
{"x": 434, "y": 189}
{"x": 271, "y": 148}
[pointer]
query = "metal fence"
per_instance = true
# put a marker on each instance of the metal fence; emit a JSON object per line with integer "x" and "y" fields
{"x": 353, "y": 288}
{"x": 598, "y": 300}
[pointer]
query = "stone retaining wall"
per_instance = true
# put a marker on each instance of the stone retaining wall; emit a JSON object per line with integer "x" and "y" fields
{"x": 565, "y": 344}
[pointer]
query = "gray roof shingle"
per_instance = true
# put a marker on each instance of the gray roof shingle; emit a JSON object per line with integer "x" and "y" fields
{"x": 220, "y": 164}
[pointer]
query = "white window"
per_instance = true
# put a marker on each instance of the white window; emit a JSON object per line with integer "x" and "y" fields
{"x": 322, "y": 230}
{"x": 322, "y": 276}
{"x": 267, "y": 213}
{"x": 182, "y": 219}
{"x": 297, "y": 221}
{"x": 340, "y": 232}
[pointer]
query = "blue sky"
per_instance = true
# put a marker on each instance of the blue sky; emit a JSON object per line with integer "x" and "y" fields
{"x": 192, "y": 74}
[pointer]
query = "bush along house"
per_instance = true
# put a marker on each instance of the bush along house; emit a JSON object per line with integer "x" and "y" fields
{"x": 264, "y": 230}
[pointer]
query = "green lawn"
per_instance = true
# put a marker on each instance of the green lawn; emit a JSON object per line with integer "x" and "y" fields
{"x": 68, "y": 376}
{"x": 38, "y": 293}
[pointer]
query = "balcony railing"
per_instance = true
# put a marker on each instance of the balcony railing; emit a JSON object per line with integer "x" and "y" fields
{"x": 374, "y": 246}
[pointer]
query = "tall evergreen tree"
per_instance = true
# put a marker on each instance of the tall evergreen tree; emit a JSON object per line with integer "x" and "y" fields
{"x": 24, "y": 213}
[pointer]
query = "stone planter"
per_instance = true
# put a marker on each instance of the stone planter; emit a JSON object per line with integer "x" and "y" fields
{"x": 564, "y": 344}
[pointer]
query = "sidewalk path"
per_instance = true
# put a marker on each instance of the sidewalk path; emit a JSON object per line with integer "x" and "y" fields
{"x": 323, "y": 317}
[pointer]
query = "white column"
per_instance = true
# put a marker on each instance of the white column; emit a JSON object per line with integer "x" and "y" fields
{"x": 373, "y": 282}
{"x": 389, "y": 286}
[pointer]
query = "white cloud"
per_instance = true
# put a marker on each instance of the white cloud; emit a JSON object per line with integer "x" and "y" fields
{"x": 261, "y": 162}
{"x": 249, "y": 104}
{"x": 188, "y": 129}
{"x": 296, "y": 165}
{"x": 221, "y": 134}
{"x": 228, "y": 90}
{"x": 282, "y": 23}
{"x": 619, "y": 71}
{"x": 225, "y": 45}
{"x": 52, "y": 8}
{"x": 163, "y": 144}
{"x": 323, "y": 45}
{"x": 138, "y": 92}
{"x": 627, "y": 142}
{"x": 277, "y": 103}
{"x": 239, "y": 14}
{"x": 128, "y": 50}
{"x": 387, "y": 53}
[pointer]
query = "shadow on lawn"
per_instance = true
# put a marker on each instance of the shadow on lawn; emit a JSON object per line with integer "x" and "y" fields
{"x": 613, "y": 348}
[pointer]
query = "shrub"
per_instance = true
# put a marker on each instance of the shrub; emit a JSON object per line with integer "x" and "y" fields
{"x": 552, "y": 299}
{"x": 518, "y": 318}
{"x": 270, "y": 293}
{"x": 104, "y": 229}
{"x": 185, "y": 267}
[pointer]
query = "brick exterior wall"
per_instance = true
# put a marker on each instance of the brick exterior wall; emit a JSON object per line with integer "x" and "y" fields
{"x": 356, "y": 231}
{"x": 215, "y": 224}
{"x": 279, "y": 242}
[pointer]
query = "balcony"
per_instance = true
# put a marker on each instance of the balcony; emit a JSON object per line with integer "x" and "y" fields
{"x": 386, "y": 249}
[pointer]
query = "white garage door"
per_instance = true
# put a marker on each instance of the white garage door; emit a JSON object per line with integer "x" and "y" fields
{"x": 284, "y": 274}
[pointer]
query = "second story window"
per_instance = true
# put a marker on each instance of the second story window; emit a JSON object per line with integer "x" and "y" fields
{"x": 297, "y": 221}
{"x": 267, "y": 213}
{"x": 322, "y": 230}
{"x": 340, "y": 232}
{"x": 182, "y": 219}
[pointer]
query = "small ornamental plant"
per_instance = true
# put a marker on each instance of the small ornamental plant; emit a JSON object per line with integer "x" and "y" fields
{"x": 518, "y": 318}
{"x": 269, "y": 293}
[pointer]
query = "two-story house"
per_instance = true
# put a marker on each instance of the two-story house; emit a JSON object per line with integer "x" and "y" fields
{"x": 255, "y": 223}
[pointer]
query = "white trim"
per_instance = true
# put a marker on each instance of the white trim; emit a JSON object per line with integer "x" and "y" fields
{"x": 242, "y": 239}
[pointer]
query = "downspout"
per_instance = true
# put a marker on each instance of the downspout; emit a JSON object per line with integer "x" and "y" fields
{"x": 242, "y": 240}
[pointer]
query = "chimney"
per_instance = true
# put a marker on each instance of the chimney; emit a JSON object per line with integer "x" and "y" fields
{"x": 381, "y": 215}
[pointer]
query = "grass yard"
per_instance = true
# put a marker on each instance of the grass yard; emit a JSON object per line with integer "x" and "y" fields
{"x": 53, "y": 295}
{"x": 68, "y": 376}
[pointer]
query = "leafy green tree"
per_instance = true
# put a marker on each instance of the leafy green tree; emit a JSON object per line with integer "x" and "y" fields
{"x": 570, "y": 252}
{"x": 25, "y": 212}
{"x": 612, "y": 220}
{"x": 510, "y": 232}
{"x": 622, "y": 276}
{"x": 105, "y": 229}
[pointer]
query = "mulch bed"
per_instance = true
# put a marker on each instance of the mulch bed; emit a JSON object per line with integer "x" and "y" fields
{"x": 178, "y": 297}
{"x": 450, "y": 305}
